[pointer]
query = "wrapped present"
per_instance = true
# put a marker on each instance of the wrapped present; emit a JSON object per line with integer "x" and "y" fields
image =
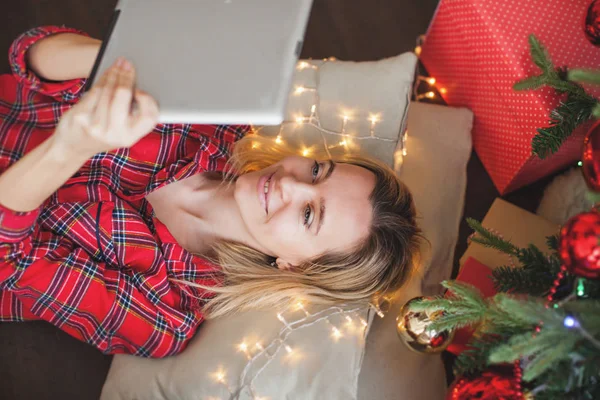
{"x": 478, "y": 49}
{"x": 479, "y": 275}
{"x": 522, "y": 228}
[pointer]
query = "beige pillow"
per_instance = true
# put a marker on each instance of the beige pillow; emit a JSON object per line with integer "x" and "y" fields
{"x": 348, "y": 106}
{"x": 327, "y": 366}
{"x": 435, "y": 170}
{"x": 328, "y": 346}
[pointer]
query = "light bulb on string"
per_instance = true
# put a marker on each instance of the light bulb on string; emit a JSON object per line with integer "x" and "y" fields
{"x": 428, "y": 95}
{"x": 278, "y": 139}
{"x": 443, "y": 90}
{"x": 570, "y": 322}
{"x": 335, "y": 332}
{"x": 430, "y": 80}
{"x": 219, "y": 376}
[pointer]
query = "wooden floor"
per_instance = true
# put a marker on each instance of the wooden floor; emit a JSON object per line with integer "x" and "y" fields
{"x": 37, "y": 361}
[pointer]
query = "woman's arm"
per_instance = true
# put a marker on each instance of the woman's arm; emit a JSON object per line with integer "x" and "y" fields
{"x": 101, "y": 121}
{"x": 63, "y": 56}
{"x": 31, "y": 180}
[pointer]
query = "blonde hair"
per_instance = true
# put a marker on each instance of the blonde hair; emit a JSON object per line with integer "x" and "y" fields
{"x": 380, "y": 264}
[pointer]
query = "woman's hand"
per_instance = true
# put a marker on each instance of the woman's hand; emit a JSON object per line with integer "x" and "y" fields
{"x": 104, "y": 118}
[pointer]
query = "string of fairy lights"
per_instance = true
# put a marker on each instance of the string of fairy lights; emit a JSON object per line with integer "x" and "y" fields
{"x": 258, "y": 355}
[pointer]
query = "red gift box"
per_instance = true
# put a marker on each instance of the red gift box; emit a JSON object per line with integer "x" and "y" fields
{"x": 474, "y": 273}
{"x": 478, "y": 49}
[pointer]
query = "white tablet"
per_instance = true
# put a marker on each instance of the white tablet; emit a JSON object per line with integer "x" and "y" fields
{"x": 210, "y": 61}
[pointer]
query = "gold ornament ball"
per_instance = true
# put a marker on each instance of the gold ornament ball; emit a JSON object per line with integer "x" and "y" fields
{"x": 412, "y": 329}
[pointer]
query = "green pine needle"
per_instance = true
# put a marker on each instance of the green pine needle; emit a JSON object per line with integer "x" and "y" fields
{"x": 531, "y": 83}
{"x": 569, "y": 114}
{"x": 488, "y": 239}
{"x": 549, "y": 358}
{"x": 584, "y": 76}
{"x": 539, "y": 54}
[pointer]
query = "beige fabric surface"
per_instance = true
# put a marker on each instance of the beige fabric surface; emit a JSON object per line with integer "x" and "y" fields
{"x": 439, "y": 146}
{"x": 320, "y": 367}
{"x": 435, "y": 170}
{"x": 357, "y": 90}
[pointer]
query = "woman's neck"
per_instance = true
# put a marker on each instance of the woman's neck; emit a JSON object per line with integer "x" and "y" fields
{"x": 209, "y": 209}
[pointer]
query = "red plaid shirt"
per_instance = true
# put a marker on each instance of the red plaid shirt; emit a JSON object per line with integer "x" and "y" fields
{"x": 93, "y": 259}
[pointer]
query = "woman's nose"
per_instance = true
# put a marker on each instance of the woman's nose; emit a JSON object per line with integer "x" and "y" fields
{"x": 292, "y": 188}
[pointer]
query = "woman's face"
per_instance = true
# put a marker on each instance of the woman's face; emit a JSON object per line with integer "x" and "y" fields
{"x": 301, "y": 208}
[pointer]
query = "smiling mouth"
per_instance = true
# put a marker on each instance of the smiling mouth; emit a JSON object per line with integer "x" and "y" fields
{"x": 266, "y": 189}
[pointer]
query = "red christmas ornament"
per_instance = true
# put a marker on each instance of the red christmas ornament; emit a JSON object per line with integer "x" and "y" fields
{"x": 490, "y": 385}
{"x": 591, "y": 158}
{"x": 592, "y": 23}
{"x": 578, "y": 246}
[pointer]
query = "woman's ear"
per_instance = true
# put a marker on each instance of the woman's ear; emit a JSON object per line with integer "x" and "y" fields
{"x": 284, "y": 265}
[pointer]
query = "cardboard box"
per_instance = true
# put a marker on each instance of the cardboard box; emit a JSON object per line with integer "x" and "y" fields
{"x": 478, "y": 49}
{"x": 521, "y": 227}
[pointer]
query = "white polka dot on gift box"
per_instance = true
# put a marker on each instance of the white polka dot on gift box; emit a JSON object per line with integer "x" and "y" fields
{"x": 477, "y": 50}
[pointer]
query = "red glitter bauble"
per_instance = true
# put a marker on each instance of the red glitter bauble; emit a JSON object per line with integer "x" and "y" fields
{"x": 579, "y": 248}
{"x": 592, "y": 23}
{"x": 490, "y": 385}
{"x": 591, "y": 158}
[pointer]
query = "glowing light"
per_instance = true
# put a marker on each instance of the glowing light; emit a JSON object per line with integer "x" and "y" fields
{"x": 374, "y": 119}
{"x": 288, "y": 349}
{"x": 431, "y": 81}
{"x": 443, "y": 90}
{"x": 255, "y": 145}
{"x": 280, "y": 317}
{"x": 569, "y": 322}
{"x": 303, "y": 65}
{"x": 335, "y": 332}
{"x": 430, "y": 95}
{"x": 346, "y": 118}
{"x": 220, "y": 376}
{"x": 300, "y": 89}
{"x": 580, "y": 164}
{"x": 305, "y": 152}
{"x": 313, "y": 108}
{"x": 243, "y": 347}
{"x": 278, "y": 139}
{"x": 259, "y": 346}
{"x": 343, "y": 143}
{"x": 299, "y": 120}
{"x": 418, "y": 50}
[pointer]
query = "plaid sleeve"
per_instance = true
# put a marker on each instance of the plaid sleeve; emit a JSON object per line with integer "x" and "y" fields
{"x": 65, "y": 91}
{"x": 55, "y": 280}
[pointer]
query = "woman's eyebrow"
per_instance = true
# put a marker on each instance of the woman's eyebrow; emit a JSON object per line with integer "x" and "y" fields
{"x": 322, "y": 205}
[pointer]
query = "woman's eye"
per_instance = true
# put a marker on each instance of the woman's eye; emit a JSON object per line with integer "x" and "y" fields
{"x": 315, "y": 170}
{"x": 307, "y": 214}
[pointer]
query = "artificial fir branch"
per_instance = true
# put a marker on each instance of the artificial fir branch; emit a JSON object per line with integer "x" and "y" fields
{"x": 489, "y": 239}
{"x": 570, "y": 113}
{"x": 577, "y": 108}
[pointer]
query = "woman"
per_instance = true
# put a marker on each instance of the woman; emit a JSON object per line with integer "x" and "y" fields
{"x": 122, "y": 233}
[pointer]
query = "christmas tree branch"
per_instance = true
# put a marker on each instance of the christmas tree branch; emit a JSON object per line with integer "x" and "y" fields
{"x": 576, "y": 109}
{"x": 488, "y": 239}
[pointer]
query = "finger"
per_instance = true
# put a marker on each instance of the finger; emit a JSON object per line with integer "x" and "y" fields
{"x": 107, "y": 91}
{"x": 121, "y": 102}
{"x": 145, "y": 117}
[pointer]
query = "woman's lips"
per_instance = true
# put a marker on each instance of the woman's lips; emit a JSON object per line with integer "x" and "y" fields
{"x": 262, "y": 196}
